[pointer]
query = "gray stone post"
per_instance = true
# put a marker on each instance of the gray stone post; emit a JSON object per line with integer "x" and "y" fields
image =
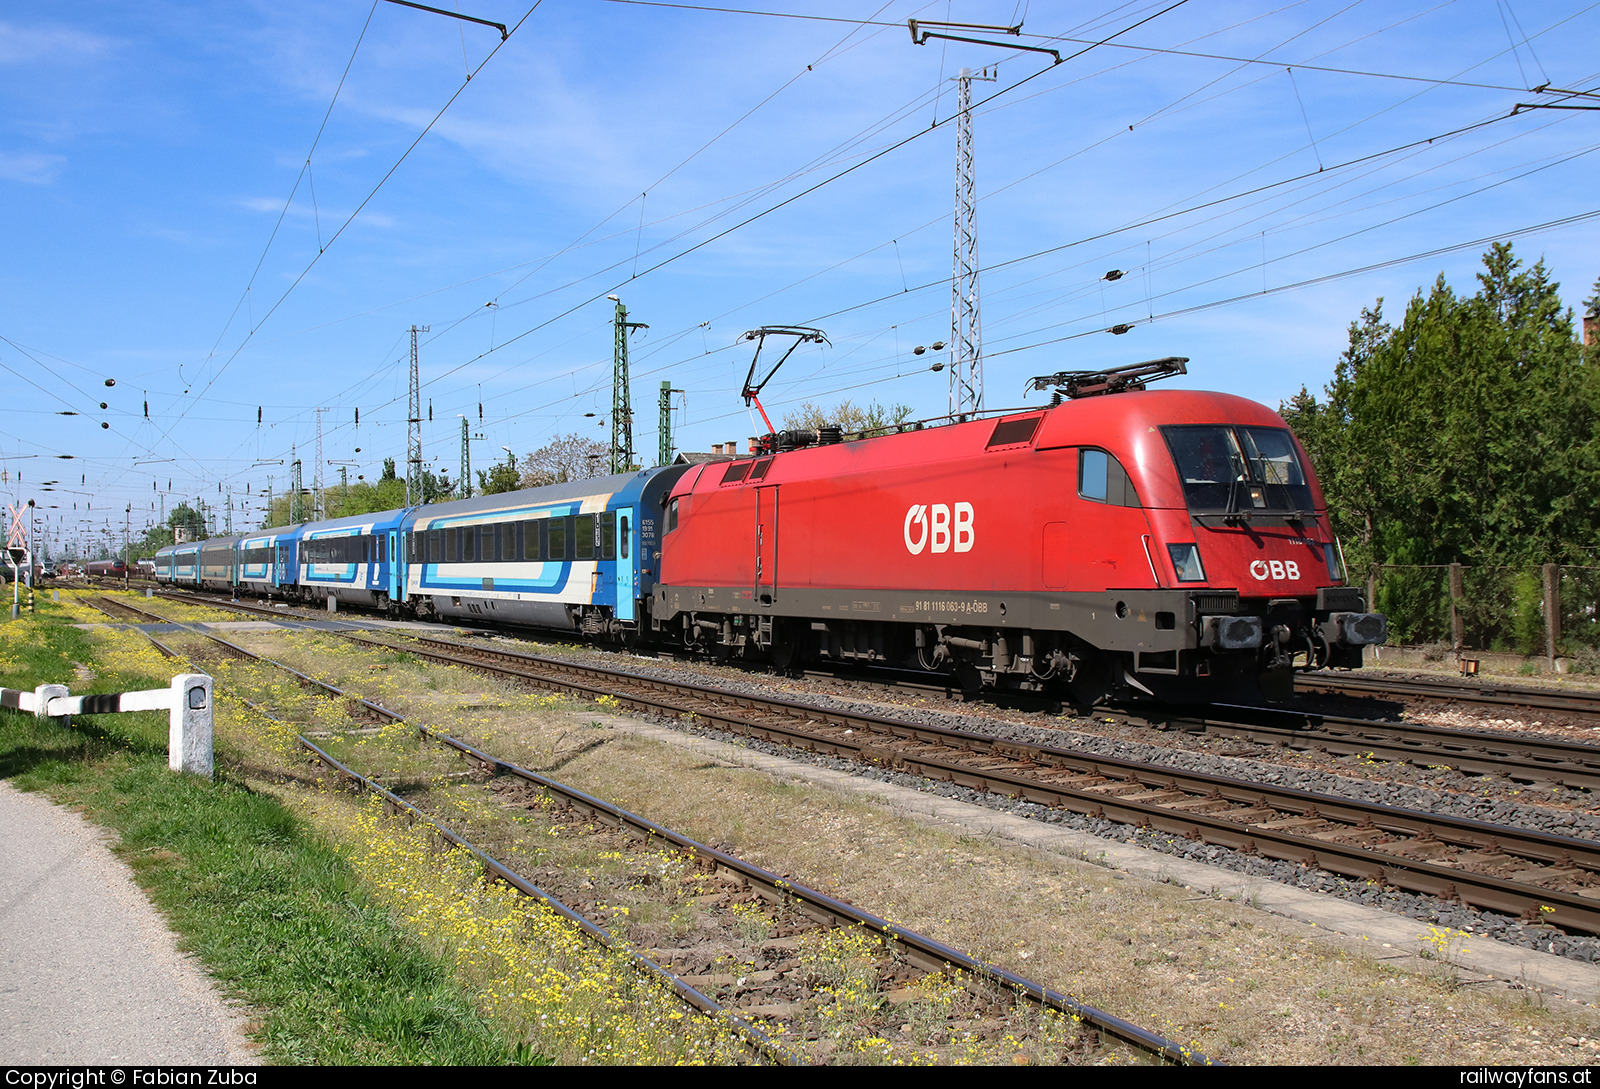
{"x": 189, "y": 732}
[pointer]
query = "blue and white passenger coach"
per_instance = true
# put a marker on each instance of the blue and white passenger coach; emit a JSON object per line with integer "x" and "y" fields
{"x": 350, "y": 559}
{"x": 577, "y": 556}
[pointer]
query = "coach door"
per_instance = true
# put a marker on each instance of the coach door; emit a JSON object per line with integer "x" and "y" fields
{"x": 393, "y": 566}
{"x": 626, "y": 587}
{"x": 766, "y": 544}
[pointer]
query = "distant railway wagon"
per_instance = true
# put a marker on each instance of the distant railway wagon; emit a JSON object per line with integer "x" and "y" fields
{"x": 106, "y": 569}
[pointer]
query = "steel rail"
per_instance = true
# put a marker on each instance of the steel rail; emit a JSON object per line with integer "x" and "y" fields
{"x": 753, "y": 1037}
{"x": 1516, "y": 697}
{"x": 1152, "y": 797}
{"x": 926, "y": 953}
{"x": 1479, "y": 752}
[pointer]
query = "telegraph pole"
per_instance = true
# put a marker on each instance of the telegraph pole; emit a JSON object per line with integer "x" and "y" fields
{"x": 414, "y": 428}
{"x": 966, "y": 331}
{"x": 621, "y": 403}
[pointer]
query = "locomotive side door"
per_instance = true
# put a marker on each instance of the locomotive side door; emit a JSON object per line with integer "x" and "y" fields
{"x": 766, "y": 588}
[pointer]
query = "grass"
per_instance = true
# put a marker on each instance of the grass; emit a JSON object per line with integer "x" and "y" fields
{"x": 278, "y": 917}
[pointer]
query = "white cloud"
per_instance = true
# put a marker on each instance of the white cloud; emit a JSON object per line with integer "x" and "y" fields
{"x": 47, "y": 44}
{"x": 31, "y": 168}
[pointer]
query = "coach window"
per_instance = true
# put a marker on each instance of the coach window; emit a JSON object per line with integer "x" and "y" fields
{"x": 583, "y": 537}
{"x": 1102, "y": 479}
{"x": 608, "y": 535}
{"x": 436, "y": 546}
{"x": 508, "y": 541}
{"x": 530, "y": 540}
{"x": 452, "y": 547}
{"x": 558, "y": 539}
{"x": 624, "y": 536}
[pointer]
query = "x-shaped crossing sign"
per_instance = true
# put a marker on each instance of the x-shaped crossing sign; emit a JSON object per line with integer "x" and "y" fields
{"x": 18, "y": 536}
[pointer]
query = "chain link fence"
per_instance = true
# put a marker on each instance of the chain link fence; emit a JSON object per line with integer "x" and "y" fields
{"x": 1548, "y": 610}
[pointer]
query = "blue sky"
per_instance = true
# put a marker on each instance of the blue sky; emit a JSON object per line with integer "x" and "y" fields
{"x": 148, "y": 152}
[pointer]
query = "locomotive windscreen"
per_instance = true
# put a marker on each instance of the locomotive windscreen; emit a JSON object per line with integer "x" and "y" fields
{"x": 1228, "y": 469}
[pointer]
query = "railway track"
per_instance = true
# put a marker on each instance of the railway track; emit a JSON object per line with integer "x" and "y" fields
{"x": 1522, "y": 699}
{"x": 1521, "y": 759}
{"x": 924, "y": 953}
{"x": 1535, "y": 877}
{"x": 1531, "y": 875}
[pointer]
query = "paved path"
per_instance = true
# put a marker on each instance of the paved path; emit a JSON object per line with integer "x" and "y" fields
{"x": 89, "y": 972}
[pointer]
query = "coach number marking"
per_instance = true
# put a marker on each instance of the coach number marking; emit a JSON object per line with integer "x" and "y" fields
{"x": 1278, "y": 569}
{"x": 935, "y": 527}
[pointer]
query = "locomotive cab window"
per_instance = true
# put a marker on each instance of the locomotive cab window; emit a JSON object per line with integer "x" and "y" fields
{"x": 1233, "y": 469}
{"x": 672, "y": 516}
{"x": 1101, "y": 478}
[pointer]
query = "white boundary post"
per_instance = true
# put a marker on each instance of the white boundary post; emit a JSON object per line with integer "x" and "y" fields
{"x": 189, "y": 733}
{"x": 187, "y": 700}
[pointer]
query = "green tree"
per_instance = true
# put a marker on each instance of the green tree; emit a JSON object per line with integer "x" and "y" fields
{"x": 1467, "y": 433}
{"x": 501, "y": 477}
{"x": 847, "y": 416}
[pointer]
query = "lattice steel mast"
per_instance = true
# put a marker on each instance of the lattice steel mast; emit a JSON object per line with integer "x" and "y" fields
{"x": 621, "y": 401}
{"x": 966, "y": 328}
{"x": 414, "y": 428}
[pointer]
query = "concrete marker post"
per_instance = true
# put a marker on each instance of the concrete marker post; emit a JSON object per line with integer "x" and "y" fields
{"x": 189, "y": 732}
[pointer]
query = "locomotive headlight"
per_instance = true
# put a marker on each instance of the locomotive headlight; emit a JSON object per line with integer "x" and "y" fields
{"x": 1335, "y": 567}
{"x": 1186, "y": 562}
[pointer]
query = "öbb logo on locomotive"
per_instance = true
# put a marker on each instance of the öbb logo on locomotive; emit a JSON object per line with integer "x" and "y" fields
{"x": 1278, "y": 569}
{"x": 937, "y": 531}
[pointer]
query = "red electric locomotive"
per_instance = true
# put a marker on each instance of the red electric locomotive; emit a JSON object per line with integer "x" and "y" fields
{"x": 1136, "y": 543}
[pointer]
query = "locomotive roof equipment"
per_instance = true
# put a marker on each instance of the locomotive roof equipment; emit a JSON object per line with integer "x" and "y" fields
{"x": 1134, "y": 376}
